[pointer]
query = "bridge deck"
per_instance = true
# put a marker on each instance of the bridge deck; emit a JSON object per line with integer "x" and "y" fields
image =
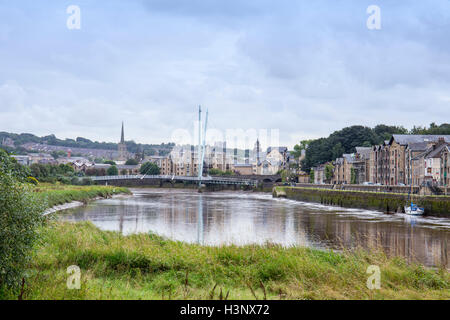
{"x": 205, "y": 180}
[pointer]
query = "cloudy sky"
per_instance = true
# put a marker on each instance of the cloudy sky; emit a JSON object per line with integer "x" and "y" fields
{"x": 306, "y": 68}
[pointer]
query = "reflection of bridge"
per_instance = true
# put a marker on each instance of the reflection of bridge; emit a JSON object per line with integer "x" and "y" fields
{"x": 253, "y": 181}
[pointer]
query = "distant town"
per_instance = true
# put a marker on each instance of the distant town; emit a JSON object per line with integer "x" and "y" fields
{"x": 403, "y": 159}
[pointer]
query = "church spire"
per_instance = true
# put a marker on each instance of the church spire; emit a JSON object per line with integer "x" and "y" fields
{"x": 122, "y": 136}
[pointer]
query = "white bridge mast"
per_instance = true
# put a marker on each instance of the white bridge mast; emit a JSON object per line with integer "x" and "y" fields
{"x": 201, "y": 146}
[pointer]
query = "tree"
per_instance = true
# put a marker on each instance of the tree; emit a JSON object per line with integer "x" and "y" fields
{"x": 323, "y": 150}
{"x": 284, "y": 175}
{"x": 20, "y": 217}
{"x": 352, "y": 176}
{"x": 298, "y": 148}
{"x": 329, "y": 168}
{"x": 131, "y": 162}
{"x": 112, "y": 171}
{"x": 150, "y": 168}
{"x": 311, "y": 176}
{"x": 109, "y": 162}
{"x": 10, "y": 165}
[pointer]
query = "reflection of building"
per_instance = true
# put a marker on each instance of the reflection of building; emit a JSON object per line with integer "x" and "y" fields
{"x": 122, "y": 148}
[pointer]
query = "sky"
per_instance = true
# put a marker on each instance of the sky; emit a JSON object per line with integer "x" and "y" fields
{"x": 304, "y": 68}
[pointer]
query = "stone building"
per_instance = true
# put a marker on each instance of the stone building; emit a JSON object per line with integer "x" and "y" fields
{"x": 122, "y": 148}
{"x": 445, "y": 167}
{"x": 427, "y": 165}
{"x": 319, "y": 174}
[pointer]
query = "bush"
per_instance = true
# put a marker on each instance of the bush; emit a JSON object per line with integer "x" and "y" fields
{"x": 10, "y": 165}
{"x": 112, "y": 171}
{"x": 87, "y": 182}
{"x": 20, "y": 216}
{"x": 75, "y": 181}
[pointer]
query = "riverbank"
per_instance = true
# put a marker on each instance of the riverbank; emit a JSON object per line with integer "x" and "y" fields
{"x": 58, "y": 194}
{"x": 145, "y": 266}
{"x": 381, "y": 201}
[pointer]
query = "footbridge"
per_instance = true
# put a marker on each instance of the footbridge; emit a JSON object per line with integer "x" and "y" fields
{"x": 251, "y": 181}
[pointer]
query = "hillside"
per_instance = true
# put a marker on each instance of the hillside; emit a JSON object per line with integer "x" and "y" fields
{"x": 79, "y": 143}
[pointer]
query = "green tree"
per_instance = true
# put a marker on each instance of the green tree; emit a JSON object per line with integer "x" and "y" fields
{"x": 329, "y": 172}
{"x": 352, "y": 176}
{"x": 109, "y": 162}
{"x": 8, "y": 164}
{"x": 150, "y": 168}
{"x": 345, "y": 141}
{"x": 131, "y": 162}
{"x": 112, "y": 171}
{"x": 20, "y": 216}
{"x": 311, "y": 176}
{"x": 299, "y": 147}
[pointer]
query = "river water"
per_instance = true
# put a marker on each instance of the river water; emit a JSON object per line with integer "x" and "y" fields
{"x": 257, "y": 218}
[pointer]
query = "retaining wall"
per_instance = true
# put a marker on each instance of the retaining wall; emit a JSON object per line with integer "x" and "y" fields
{"x": 386, "y": 202}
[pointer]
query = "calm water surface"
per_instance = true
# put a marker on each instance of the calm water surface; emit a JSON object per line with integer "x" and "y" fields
{"x": 247, "y": 218}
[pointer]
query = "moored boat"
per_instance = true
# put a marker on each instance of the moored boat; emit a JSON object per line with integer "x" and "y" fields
{"x": 414, "y": 210}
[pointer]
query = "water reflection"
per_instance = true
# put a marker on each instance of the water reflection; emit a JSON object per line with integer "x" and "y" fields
{"x": 244, "y": 218}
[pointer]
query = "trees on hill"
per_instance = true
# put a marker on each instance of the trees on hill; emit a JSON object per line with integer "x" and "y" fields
{"x": 133, "y": 147}
{"x": 345, "y": 141}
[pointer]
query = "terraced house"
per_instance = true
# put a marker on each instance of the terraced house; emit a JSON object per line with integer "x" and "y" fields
{"x": 404, "y": 159}
{"x": 445, "y": 166}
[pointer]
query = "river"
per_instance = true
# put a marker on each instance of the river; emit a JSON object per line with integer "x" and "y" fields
{"x": 241, "y": 218}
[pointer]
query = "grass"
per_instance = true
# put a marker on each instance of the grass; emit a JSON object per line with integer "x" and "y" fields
{"x": 57, "y": 194}
{"x": 145, "y": 266}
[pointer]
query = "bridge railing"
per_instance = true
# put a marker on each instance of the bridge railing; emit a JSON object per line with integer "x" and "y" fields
{"x": 208, "y": 179}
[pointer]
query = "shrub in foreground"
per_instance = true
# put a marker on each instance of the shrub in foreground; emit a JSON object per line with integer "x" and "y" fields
{"x": 20, "y": 216}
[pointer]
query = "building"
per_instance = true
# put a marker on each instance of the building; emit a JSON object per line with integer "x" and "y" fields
{"x": 77, "y": 163}
{"x": 319, "y": 174}
{"x": 303, "y": 177}
{"x": 342, "y": 172}
{"x": 362, "y": 165}
{"x": 427, "y": 165}
{"x": 244, "y": 169}
{"x": 445, "y": 167}
{"x": 41, "y": 158}
{"x": 122, "y": 148}
{"x": 23, "y": 160}
{"x": 395, "y": 161}
{"x": 128, "y": 169}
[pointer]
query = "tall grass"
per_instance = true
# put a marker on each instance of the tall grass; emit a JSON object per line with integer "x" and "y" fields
{"x": 146, "y": 266}
{"x": 56, "y": 194}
